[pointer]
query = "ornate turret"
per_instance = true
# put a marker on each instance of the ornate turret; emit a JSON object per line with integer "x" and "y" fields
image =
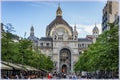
{"x": 95, "y": 33}
{"x": 95, "y": 30}
{"x": 59, "y": 11}
{"x": 32, "y": 37}
{"x": 75, "y": 33}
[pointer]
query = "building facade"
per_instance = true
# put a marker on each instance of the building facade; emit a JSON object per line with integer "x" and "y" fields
{"x": 110, "y": 14}
{"x": 62, "y": 43}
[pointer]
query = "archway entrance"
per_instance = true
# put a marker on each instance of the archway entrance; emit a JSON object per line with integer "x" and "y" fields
{"x": 65, "y": 60}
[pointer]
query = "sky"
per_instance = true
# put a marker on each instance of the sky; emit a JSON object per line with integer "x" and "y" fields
{"x": 23, "y": 14}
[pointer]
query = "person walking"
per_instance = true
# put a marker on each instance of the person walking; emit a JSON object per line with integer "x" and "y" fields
{"x": 16, "y": 76}
{"x": 74, "y": 77}
{"x": 49, "y": 76}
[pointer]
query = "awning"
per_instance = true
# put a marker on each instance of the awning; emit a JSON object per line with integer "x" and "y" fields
{"x": 15, "y": 66}
{"x": 5, "y": 67}
{"x": 29, "y": 68}
{"x": 20, "y": 67}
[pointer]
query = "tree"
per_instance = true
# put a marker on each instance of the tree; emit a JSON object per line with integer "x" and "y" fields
{"x": 34, "y": 58}
{"x": 21, "y": 52}
{"x": 103, "y": 55}
{"x": 8, "y": 46}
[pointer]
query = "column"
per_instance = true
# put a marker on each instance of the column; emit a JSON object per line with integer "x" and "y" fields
{"x": 71, "y": 62}
{"x": 58, "y": 62}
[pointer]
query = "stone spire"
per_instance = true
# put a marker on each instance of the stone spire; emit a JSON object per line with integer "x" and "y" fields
{"x": 59, "y": 11}
{"x": 75, "y": 27}
{"x": 75, "y": 31}
{"x": 32, "y": 31}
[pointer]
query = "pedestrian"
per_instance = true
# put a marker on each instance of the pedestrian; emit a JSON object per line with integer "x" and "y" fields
{"x": 5, "y": 77}
{"x": 16, "y": 76}
{"x": 29, "y": 77}
{"x": 21, "y": 75}
{"x": 64, "y": 75}
{"x": 49, "y": 76}
{"x": 70, "y": 76}
{"x": 74, "y": 76}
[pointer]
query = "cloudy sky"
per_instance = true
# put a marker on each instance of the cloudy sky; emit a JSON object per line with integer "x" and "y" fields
{"x": 23, "y": 14}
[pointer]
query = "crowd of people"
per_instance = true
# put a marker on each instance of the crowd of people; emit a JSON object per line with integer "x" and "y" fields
{"x": 56, "y": 75}
{"x": 82, "y": 75}
{"x": 49, "y": 75}
{"x": 17, "y": 76}
{"x": 22, "y": 75}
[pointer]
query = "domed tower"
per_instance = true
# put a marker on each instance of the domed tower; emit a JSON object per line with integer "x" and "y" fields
{"x": 59, "y": 28}
{"x": 32, "y": 37}
{"x": 95, "y": 33}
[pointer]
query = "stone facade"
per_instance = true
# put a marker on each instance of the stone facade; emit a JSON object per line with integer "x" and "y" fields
{"x": 61, "y": 43}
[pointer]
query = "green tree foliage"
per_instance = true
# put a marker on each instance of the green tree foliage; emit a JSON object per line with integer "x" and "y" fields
{"x": 21, "y": 52}
{"x": 103, "y": 55}
{"x": 34, "y": 58}
{"x": 8, "y": 46}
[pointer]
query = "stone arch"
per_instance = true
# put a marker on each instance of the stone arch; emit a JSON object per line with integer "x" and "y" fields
{"x": 66, "y": 66}
{"x": 65, "y": 60}
{"x": 67, "y": 47}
